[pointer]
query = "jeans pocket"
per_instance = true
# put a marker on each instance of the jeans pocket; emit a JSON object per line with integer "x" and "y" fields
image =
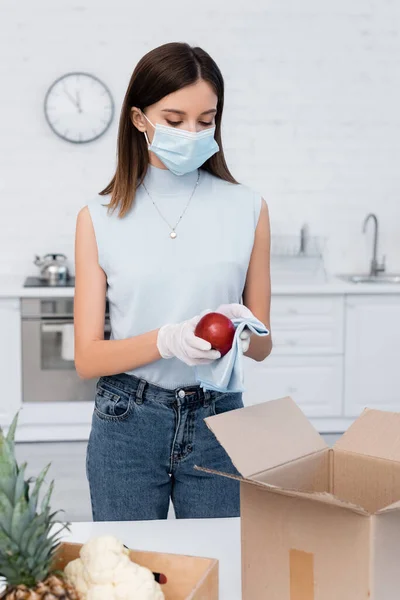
{"x": 226, "y": 402}
{"x": 112, "y": 404}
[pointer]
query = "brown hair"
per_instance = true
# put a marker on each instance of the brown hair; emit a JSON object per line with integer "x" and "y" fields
{"x": 160, "y": 72}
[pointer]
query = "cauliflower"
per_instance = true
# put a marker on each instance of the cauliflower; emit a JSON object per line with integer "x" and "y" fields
{"x": 104, "y": 571}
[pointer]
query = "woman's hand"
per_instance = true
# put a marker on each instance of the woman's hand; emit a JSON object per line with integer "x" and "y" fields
{"x": 238, "y": 311}
{"x": 180, "y": 341}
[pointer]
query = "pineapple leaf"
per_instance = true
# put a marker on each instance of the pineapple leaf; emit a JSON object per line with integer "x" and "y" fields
{"x": 47, "y": 497}
{"x": 10, "y": 573}
{"x": 25, "y": 539}
{"x": 20, "y": 519}
{"x": 33, "y": 500}
{"x": 49, "y": 545}
{"x": 7, "y": 544}
{"x": 11, "y": 432}
{"x": 39, "y": 530}
{"x": 6, "y": 511}
{"x": 8, "y": 468}
{"x": 53, "y": 514}
{"x": 44, "y": 554}
{"x": 20, "y": 487}
{"x": 37, "y": 537}
{"x": 42, "y": 573}
{"x": 55, "y": 538}
{"x": 31, "y": 531}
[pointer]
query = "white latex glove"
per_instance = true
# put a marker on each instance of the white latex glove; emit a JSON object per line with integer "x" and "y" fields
{"x": 238, "y": 311}
{"x": 179, "y": 341}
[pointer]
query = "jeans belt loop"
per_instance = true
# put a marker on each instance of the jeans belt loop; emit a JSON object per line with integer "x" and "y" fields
{"x": 140, "y": 390}
{"x": 207, "y": 396}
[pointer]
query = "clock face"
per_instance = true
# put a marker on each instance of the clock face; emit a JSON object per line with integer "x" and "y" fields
{"x": 79, "y": 108}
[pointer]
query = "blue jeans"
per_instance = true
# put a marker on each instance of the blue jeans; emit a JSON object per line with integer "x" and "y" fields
{"x": 144, "y": 443}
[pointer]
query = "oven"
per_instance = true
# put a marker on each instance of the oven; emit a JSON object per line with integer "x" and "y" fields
{"x": 48, "y": 370}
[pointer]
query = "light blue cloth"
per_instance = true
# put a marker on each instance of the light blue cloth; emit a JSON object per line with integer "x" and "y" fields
{"x": 227, "y": 374}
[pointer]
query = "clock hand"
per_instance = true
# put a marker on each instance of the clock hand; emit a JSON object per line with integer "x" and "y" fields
{"x": 78, "y": 100}
{"x": 73, "y": 100}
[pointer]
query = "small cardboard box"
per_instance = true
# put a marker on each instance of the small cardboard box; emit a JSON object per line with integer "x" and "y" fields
{"x": 317, "y": 523}
{"x": 189, "y": 577}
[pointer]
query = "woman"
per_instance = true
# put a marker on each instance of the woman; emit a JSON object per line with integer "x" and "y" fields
{"x": 173, "y": 236}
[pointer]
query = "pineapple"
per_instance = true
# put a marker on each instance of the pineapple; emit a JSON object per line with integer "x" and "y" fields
{"x": 27, "y": 546}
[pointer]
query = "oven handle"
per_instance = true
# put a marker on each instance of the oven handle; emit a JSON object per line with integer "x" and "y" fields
{"x": 55, "y": 325}
{"x": 66, "y": 318}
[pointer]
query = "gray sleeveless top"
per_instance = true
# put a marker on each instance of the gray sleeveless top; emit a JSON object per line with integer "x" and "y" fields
{"x": 153, "y": 279}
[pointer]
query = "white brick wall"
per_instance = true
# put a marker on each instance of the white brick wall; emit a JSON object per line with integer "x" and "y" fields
{"x": 312, "y": 117}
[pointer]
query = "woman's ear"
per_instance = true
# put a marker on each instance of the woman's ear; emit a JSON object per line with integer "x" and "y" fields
{"x": 138, "y": 119}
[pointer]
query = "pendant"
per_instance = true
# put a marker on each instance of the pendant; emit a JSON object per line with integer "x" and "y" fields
{"x": 172, "y": 235}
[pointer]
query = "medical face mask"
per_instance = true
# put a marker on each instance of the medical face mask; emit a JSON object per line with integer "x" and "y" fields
{"x": 182, "y": 151}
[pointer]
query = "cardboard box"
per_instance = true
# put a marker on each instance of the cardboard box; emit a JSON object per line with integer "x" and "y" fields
{"x": 189, "y": 578}
{"x": 317, "y": 523}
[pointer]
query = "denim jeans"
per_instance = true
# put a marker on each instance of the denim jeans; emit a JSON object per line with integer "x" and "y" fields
{"x": 144, "y": 443}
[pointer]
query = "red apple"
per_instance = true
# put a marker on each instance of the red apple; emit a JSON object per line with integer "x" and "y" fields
{"x": 216, "y": 329}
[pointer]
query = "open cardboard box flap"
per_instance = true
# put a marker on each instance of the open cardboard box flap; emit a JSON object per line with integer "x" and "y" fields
{"x": 265, "y": 435}
{"x": 269, "y": 435}
{"x": 322, "y": 497}
{"x": 390, "y": 508}
{"x": 375, "y": 433}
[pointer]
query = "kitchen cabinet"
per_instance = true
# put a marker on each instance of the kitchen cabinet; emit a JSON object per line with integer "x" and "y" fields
{"x": 10, "y": 359}
{"x": 372, "y": 357}
{"x": 307, "y": 357}
{"x": 314, "y": 382}
{"x": 307, "y": 325}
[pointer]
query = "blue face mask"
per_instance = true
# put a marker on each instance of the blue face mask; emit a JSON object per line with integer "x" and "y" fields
{"x": 182, "y": 151}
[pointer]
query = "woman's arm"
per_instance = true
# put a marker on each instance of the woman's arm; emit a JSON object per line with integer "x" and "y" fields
{"x": 95, "y": 356}
{"x": 257, "y": 290}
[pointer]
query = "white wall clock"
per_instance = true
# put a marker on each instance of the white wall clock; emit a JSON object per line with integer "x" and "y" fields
{"x": 79, "y": 107}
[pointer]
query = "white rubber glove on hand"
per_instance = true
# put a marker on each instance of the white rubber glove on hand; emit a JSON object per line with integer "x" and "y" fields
{"x": 238, "y": 311}
{"x": 180, "y": 341}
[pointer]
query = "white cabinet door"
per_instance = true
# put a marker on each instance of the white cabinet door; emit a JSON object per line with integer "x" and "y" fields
{"x": 314, "y": 382}
{"x": 10, "y": 359}
{"x": 372, "y": 353}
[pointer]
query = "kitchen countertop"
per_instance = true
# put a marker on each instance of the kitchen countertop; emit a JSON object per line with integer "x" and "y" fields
{"x": 12, "y": 287}
{"x": 211, "y": 538}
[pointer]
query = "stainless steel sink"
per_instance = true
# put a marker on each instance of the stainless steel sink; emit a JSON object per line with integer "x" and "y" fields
{"x": 381, "y": 278}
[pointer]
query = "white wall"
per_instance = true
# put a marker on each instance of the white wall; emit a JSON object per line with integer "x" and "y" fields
{"x": 312, "y": 118}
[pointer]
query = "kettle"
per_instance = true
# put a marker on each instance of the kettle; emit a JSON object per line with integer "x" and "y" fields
{"x": 53, "y": 268}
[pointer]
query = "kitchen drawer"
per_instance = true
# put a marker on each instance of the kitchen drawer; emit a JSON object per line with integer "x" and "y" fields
{"x": 315, "y": 383}
{"x": 307, "y": 339}
{"x": 318, "y": 310}
{"x": 307, "y": 324}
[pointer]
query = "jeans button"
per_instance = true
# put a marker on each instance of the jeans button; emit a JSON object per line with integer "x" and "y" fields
{"x": 181, "y": 393}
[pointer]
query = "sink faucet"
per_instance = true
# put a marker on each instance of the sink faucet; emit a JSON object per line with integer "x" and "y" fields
{"x": 376, "y": 267}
